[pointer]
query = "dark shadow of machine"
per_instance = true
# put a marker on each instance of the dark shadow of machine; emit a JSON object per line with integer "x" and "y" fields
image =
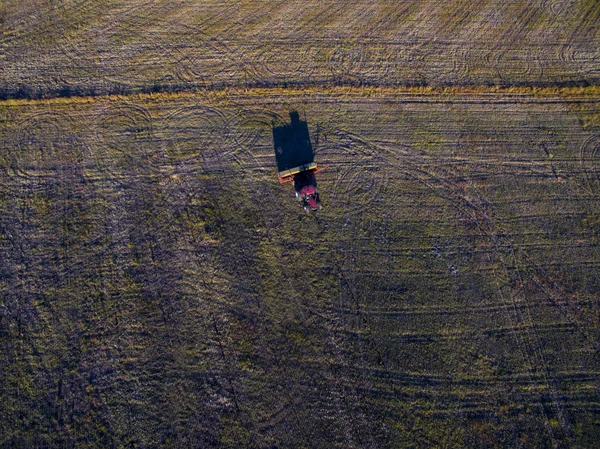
{"x": 295, "y": 160}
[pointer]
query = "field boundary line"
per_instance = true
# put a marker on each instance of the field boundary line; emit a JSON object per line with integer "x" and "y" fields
{"x": 479, "y": 94}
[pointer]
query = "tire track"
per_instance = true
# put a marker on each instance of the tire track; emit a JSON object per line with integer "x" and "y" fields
{"x": 382, "y": 64}
{"x": 529, "y": 343}
{"x": 77, "y": 53}
{"x": 485, "y": 309}
{"x": 590, "y": 166}
{"x": 253, "y": 138}
{"x": 143, "y": 35}
{"x": 509, "y": 39}
{"x": 517, "y": 65}
{"x": 44, "y": 148}
{"x": 254, "y": 127}
{"x": 195, "y": 133}
{"x": 126, "y": 133}
{"x": 554, "y": 7}
{"x": 579, "y": 50}
{"x": 216, "y": 61}
{"x": 284, "y": 61}
{"x": 587, "y": 60}
{"x": 186, "y": 54}
{"x": 446, "y": 61}
{"x": 370, "y": 62}
{"x": 581, "y": 62}
{"x": 530, "y": 349}
{"x": 361, "y": 177}
{"x": 460, "y": 64}
{"x": 212, "y": 62}
{"x": 477, "y": 210}
{"x": 346, "y": 62}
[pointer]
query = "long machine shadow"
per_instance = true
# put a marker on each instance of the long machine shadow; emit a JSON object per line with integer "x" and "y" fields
{"x": 296, "y": 160}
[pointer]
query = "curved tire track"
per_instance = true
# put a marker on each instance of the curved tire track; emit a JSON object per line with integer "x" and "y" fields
{"x": 590, "y": 165}
{"x": 43, "y": 148}
{"x": 194, "y": 132}
{"x": 125, "y": 131}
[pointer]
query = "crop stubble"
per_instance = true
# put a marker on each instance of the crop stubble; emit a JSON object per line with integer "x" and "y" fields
{"x": 64, "y": 48}
{"x": 160, "y": 288}
{"x": 440, "y": 282}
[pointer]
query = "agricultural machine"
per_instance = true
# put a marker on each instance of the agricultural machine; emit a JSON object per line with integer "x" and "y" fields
{"x": 295, "y": 160}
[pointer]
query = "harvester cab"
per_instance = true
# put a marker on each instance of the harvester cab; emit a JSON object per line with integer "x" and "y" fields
{"x": 295, "y": 160}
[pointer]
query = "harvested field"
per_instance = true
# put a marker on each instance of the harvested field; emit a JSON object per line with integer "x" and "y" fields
{"x": 90, "y": 47}
{"x": 159, "y": 288}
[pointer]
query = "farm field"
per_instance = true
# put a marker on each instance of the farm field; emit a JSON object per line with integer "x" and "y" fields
{"x": 80, "y": 47}
{"x": 160, "y": 288}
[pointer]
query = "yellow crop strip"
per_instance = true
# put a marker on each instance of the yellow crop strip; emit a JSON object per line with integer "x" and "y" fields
{"x": 229, "y": 92}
